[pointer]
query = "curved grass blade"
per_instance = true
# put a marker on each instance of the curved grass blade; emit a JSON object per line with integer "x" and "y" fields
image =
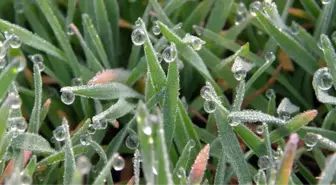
{"x": 322, "y": 95}
{"x": 32, "y": 40}
{"x": 326, "y": 18}
{"x": 219, "y": 15}
{"x": 293, "y": 125}
{"x": 34, "y": 121}
{"x": 183, "y": 160}
{"x": 31, "y": 166}
{"x": 104, "y": 172}
{"x": 328, "y": 173}
{"x": 33, "y": 142}
{"x": 121, "y": 108}
{"x": 288, "y": 44}
{"x": 329, "y": 54}
{"x": 108, "y": 91}
{"x": 312, "y": 7}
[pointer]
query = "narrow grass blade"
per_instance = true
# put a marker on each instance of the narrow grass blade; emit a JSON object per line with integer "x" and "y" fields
{"x": 293, "y": 125}
{"x": 198, "y": 169}
{"x": 34, "y": 121}
{"x": 219, "y": 14}
{"x": 285, "y": 169}
{"x": 104, "y": 30}
{"x": 108, "y": 91}
{"x": 312, "y": 7}
{"x": 288, "y": 44}
{"x": 328, "y": 173}
{"x": 170, "y": 102}
{"x": 220, "y": 170}
{"x": 70, "y": 12}
{"x": 8, "y": 75}
{"x": 60, "y": 35}
{"x": 69, "y": 156}
{"x": 254, "y": 116}
{"x": 4, "y": 115}
{"x": 112, "y": 9}
{"x": 329, "y": 119}
{"x": 105, "y": 171}
{"x": 183, "y": 160}
{"x": 325, "y": 20}
{"x": 44, "y": 112}
{"x": 329, "y": 54}
{"x": 31, "y": 166}
{"x": 75, "y": 138}
{"x": 32, "y": 40}
{"x": 173, "y": 5}
{"x": 240, "y": 92}
{"x": 32, "y": 142}
{"x": 121, "y": 108}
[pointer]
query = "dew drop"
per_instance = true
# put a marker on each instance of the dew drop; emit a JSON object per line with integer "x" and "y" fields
{"x": 15, "y": 41}
{"x": 40, "y": 66}
{"x": 3, "y": 63}
{"x": 239, "y": 18}
{"x": 59, "y": 133}
{"x": 154, "y": 170}
{"x": 22, "y": 63}
{"x": 264, "y": 162}
{"x": 254, "y": 7}
{"x": 294, "y": 29}
{"x": 132, "y": 141}
{"x": 14, "y": 100}
{"x": 206, "y": 92}
{"x": 19, "y": 6}
{"x": 192, "y": 144}
{"x": 156, "y": 29}
{"x": 36, "y": 58}
{"x": 310, "y": 140}
{"x": 284, "y": 115}
{"x": 91, "y": 129}
{"x": 83, "y": 165}
{"x": 70, "y": 31}
{"x": 100, "y": 124}
{"x": 138, "y": 22}
{"x": 19, "y": 124}
{"x": 277, "y": 154}
{"x": 138, "y": 37}
{"x": 118, "y": 162}
{"x": 169, "y": 54}
{"x": 25, "y": 179}
{"x": 238, "y": 69}
{"x": 68, "y": 97}
{"x": 241, "y": 8}
{"x": 240, "y": 75}
{"x": 325, "y": 80}
{"x": 77, "y": 81}
{"x": 325, "y": 2}
{"x": 234, "y": 123}
{"x": 180, "y": 172}
{"x": 159, "y": 57}
{"x": 147, "y": 129}
{"x": 270, "y": 93}
{"x": 209, "y": 106}
{"x": 269, "y": 57}
{"x": 260, "y": 129}
{"x": 197, "y": 43}
{"x": 85, "y": 139}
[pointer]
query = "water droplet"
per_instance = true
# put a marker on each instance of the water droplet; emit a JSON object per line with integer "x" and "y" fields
{"x": 19, "y": 6}
{"x": 159, "y": 57}
{"x": 209, "y": 106}
{"x": 77, "y": 81}
{"x": 3, "y": 63}
{"x": 169, "y": 54}
{"x": 197, "y": 43}
{"x": 18, "y": 124}
{"x": 100, "y": 124}
{"x": 192, "y": 144}
{"x": 270, "y": 93}
{"x": 25, "y": 179}
{"x": 138, "y": 37}
{"x": 70, "y": 31}
{"x": 325, "y": 2}
{"x": 240, "y": 75}
{"x": 269, "y": 57}
{"x": 40, "y": 66}
{"x": 59, "y": 133}
{"x": 241, "y": 8}
{"x": 206, "y": 92}
{"x": 91, "y": 129}
{"x": 156, "y": 29}
{"x": 284, "y": 115}
{"x": 85, "y": 139}
{"x": 132, "y": 141}
{"x": 277, "y": 154}
{"x": 260, "y": 177}
{"x": 180, "y": 65}
{"x": 238, "y": 69}
{"x": 260, "y": 129}
{"x": 254, "y": 7}
{"x": 294, "y": 29}
{"x": 264, "y": 162}
{"x": 325, "y": 80}
{"x": 181, "y": 172}
{"x": 21, "y": 62}
{"x": 15, "y": 41}
{"x": 234, "y": 123}
{"x": 239, "y": 18}
{"x": 118, "y": 162}
{"x": 36, "y": 58}
{"x": 147, "y": 129}
{"x": 68, "y": 97}
{"x": 14, "y": 100}
{"x": 310, "y": 140}
{"x": 83, "y": 165}
{"x": 138, "y": 22}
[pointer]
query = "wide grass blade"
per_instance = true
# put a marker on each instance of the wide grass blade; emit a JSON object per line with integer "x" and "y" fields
{"x": 219, "y": 15}
{"x": 33, "y": 142}
{"x": 8, "y": 75}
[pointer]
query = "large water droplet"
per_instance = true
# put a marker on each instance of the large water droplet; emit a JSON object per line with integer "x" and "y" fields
{"x": 138, "y": 37}
{"x": 264, "y": 162}
{"x": 254, "y": 7}
{"x": 241, "y": 8}
{"x": 18, "y": 123}
{"x": 100, "y": 124}
{"x": 325, "y": 80}
{"x": 156, "y": 29}
{"x": 3, "y": 63}
{"x": 181, "y": 172}
{"x": 209, "y": 106}
{"x": 310, "y": 140}
{"x": 138, "y": 22}
{"x": 70, "y": 31}
{"x": 91, "y": 129}
{"x": 238, "y": 69}
{"x": 169, "y": 54}
{"x": 159, "y": 57}
{"x": 59, "y": 133}
{"x": 270, "y": 93}
{"x": 68, "y": 97}
{"x": 22, "y": 63}
{"x": 260, "y": 129}
{"x": 83, "y": 165}
{"x": 15, "y": 41}
{"x": 284, "y": 115}
{"x": 19, "y": 6}
{"x": 206, "y": 92}
{"x": 325, "y": 2}
{"x": 25, "y": 179}
{"x": 14, "y": 100}
{"x": 118, "y": 162}
{"x": 240, "y": 75}
{"x": 269, "y": 57}
{"x": 40, "y": 66}
{"x": 85, "y": 139}
{"x": 132, "y": 141}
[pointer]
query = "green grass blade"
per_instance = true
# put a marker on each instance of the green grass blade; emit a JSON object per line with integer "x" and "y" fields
{"x": 113, "y": 16}
{"x": 31, "y": 166}
{"x": 8, "y": 75}
{"x": 32, "y": 40}
{"x": 173, "y": 5}
{"x": 328, "y": 173}
{"x": 170, "y": 102}
{"x": 219, "y": 15}
{"x": 69, "y": 157}
{"x": 104, "y": 30}
{"x": 329, "y": 54}
{"x": 34, "y": 121}
{"x": 108, "y": 91}
{"x": 312, "y": 7}
{"x": 220, "y": 170}
{"x": 70, "y": 13}
{"x": 240, "y": 92}
{"x": 288, "y": 44}
{"x": 183, "y": 160}
{"x": 325, "y": 21}
{"x": 105, "y": 171}
{"x": 32, "y": 142}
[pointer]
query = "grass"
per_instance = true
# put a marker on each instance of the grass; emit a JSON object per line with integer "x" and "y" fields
{"x": 242, "y": 92}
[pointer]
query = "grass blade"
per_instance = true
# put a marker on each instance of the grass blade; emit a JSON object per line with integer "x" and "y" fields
{"x": 34, "y": 121}
{"x": 197, "y": 171}
{"x": 325, "y": 20}
{"x": 69, "y": 157}
{"x": 328, "y": 173}
{"x": 183, "y": 160}
{"x": 219, "y": 15}
{"x": 8, "y": 75}
{"x": 33, "y": 142}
